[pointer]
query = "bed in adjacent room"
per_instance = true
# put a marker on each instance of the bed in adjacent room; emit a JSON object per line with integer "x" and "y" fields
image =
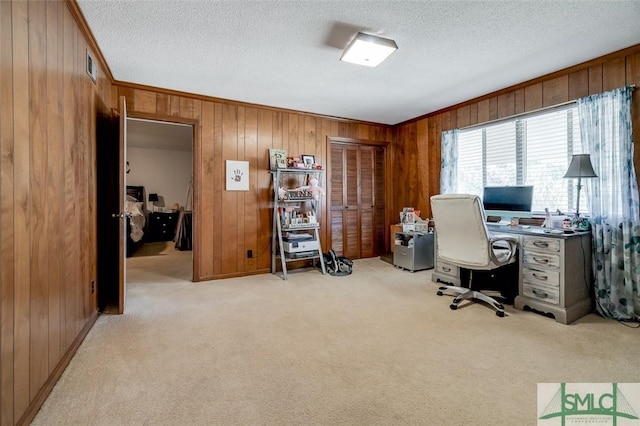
{"x": 136, "y": 217}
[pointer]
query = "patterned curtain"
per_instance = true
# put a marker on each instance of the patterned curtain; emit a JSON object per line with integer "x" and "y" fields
{"x": 605, "y": 127}
{"x": 449, "y": 162}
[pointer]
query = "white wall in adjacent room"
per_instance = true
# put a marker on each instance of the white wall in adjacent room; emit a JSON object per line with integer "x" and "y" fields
{"x": 161, "y": 171}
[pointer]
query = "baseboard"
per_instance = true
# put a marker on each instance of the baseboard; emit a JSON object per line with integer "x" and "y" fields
{"x": 46, "y": 389}
{"x": 232, "y": 275}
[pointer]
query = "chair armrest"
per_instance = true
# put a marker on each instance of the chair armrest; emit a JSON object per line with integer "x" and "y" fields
{"x": 507, "y": 244}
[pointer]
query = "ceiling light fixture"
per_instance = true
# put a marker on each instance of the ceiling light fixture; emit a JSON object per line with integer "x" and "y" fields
{"x": 368, "y": 50}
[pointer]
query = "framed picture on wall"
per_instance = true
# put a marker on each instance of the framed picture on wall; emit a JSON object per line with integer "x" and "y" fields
{"x": 237, "y": 175}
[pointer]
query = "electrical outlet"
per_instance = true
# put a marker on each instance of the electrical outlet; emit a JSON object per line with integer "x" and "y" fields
{"x": 249, "y": 254}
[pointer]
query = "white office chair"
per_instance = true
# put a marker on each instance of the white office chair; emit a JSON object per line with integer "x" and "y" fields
{"x": 462, "y": 239}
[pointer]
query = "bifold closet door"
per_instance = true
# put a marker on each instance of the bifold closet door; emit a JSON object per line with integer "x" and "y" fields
{"x": 357, "y": 199}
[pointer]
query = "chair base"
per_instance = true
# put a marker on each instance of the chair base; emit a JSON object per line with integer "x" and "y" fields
{"x": 466, "y": 293}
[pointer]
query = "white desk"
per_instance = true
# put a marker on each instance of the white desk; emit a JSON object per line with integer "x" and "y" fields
{"x": 554, "y": 276}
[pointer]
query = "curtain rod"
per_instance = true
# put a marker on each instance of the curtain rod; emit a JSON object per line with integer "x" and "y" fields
{"x": 533, "y": 112}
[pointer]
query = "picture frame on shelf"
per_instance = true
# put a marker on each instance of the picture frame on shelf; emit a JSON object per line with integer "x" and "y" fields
{"x": 281, "y": 163}
{"x": 276, "y": 154}
{"x": 308, "y": 160}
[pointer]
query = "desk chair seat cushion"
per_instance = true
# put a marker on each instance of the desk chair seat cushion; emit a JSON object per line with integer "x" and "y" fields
{"x": 462, "y": 236}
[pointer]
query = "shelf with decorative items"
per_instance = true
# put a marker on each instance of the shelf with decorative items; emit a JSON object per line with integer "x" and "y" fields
{"x": 296, "y": 236}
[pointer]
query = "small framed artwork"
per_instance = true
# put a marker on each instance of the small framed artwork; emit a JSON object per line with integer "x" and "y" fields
{"x": 275, "y": 155}
{"x": 308, "y": 160}
{"x": 281, "y": 163}
{"x": 237, "y": 175}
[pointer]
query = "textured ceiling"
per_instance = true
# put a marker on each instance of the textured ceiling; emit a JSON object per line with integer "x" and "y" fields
{"x": 286, "y": 53}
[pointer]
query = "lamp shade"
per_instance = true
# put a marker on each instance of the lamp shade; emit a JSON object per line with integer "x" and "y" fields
{"x": 580, "y": 167}
{"x": 153, "y": 198}
{"x": 368, "y": 50}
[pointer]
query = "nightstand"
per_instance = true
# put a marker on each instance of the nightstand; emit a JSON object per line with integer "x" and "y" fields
{"x": 162, "y": 226}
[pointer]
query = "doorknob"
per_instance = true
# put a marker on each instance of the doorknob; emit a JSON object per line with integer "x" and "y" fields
{"x": 120, "y": 215}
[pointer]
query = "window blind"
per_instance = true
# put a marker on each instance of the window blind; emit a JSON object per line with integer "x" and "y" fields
{"x": 528, "y": 150}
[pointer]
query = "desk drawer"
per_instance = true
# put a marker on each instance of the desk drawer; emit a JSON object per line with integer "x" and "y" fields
{"x": 541, "y": 259}
{"x": 541, "y": 243}
{"x": 447, "y": 269}
{"x": 540, "y": 292}
{"x": 540, "y": 276}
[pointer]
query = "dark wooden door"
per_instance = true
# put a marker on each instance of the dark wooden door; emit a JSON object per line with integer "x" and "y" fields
{"x": 119, "y": 215}
{"x": 357, "y": 199}
{"x": 110, "y": 208}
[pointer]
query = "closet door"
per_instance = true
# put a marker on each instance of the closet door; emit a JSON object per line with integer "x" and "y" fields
{"x": 357, "y": 199}
{"x": 367, "y": 202}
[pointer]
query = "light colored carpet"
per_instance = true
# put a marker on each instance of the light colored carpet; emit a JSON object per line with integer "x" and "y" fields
{"x": 374, "y": 348}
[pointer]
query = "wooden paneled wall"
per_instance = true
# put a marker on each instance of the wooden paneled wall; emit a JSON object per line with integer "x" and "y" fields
{"x": 47, "y": 199}
{"x": 418, "y": 141}
{"x": 228, "y": 223}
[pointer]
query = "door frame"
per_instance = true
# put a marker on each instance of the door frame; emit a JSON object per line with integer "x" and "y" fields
{"x": 388, "y": 195}
{"x": 195, "y": 125}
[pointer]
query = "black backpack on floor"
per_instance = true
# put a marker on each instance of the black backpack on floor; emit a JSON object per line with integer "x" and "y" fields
{"x": 337, "y": 265}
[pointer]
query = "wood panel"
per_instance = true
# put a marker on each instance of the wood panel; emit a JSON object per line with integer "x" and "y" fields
{"x": 205, "y": 150}
{"x": 47, "y": 198}
{"x": 555, "y": 91}
{"x": 145, "y": 101}
{"x": 519, "y": 101}
{"x": 533, "y": 97}
{"x": 39, "y": 340}
{"x": 613, "y": 74}
{"x": 55, "y": 202}
{"x": 506, "y": 105}
{"x": 595, "y": 79}
{"x": 7, "y": 238}
{"x": 579, "y": 84}
{"x": 633, "y": 77}
{"x": 230, "y": 144}
{"x": 22, "y": 270}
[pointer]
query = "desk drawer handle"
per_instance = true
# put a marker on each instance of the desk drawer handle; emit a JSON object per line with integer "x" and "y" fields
{"x": 445, "y": 269}
{"x": 541, "y": 244}
{"x": 541, "y": 260}
{"x": 540, "y": 277}
{"x": 539, "y": 293}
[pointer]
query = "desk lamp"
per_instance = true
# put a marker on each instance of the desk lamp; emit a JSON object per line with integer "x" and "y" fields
{"x": 580, "y": 167}
{"x": 153, "y": 198}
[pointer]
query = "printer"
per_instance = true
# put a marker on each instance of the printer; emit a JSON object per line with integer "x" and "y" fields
{"x": 300, "y": 243}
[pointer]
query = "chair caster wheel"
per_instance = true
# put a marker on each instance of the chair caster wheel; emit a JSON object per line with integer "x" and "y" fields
{"x": 500, "y": 314}
{"x": 453, "y": 307}
{"x": 439, "y": 293}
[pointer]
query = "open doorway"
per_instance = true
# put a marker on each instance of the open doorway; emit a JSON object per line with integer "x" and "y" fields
{"x": 159, "y": 185}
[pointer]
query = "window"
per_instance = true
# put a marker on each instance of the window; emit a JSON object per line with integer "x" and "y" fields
{"x": 528, "y": 150}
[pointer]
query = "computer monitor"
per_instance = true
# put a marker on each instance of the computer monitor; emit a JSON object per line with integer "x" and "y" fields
{"x": 507, "y": 201}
